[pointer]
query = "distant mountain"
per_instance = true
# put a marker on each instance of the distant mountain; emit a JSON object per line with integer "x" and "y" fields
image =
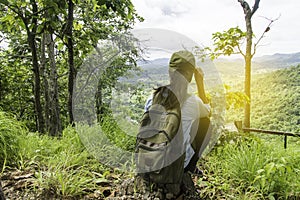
{"x": 275, "y": 61}
{"x": 157, "y": 69}
{"x": 278, "y": 60}
{"x": 154, "y": 72}
{"x": 159, "y": 64}
{"x": 287, "y": 58}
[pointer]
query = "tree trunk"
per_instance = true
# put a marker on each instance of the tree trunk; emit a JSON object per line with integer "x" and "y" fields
{"x": 44, "y": 75}
{"x": 72, "y": 70}
{"x": 99, "y": 102}
{"x": 40, "y": 124}
{"x": 1, "y": 89}
{"x": 55, "y": 122}
{"x": 248, "y": 93}
{"x": 248, "y": 57}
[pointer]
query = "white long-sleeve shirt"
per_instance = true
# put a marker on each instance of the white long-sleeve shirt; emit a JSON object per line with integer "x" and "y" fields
{"x": 192, "y": 109}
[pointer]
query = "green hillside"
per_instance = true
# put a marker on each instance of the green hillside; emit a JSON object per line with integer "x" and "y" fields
{"x": 275, "y": 100}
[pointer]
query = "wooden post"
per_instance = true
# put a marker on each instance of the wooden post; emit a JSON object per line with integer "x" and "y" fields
{"x": 238, "y": 125}
{"x": 285, "y": 141}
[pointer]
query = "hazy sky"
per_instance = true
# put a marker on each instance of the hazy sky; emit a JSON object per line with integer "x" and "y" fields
{"x": 198, "y": 19}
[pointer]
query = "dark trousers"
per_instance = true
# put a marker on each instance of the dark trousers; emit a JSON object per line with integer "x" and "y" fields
{"x": 203, "y": 124}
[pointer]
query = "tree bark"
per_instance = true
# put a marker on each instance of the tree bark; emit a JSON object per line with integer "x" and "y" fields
{"x": 72, "y": 70}
{"x": 1, "y": 89}
{"x": 248, "y": 56}
{"x": 40, "y": 124}
{"x": 98, "y": 97}
{"x": 55, "y": 122}
{"x": 44, "y": 75}
{"x": 248, "y": 59}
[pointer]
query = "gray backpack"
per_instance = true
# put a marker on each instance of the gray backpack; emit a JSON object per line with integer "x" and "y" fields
{"x": 159, "y": 145}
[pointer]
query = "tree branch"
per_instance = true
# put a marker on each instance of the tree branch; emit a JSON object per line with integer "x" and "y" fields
{"x": 34, "y": 16}
{"x": 255, "y": 7}
{"x": 61, "y": 37}
{"x": 240, "y": 51}
{"x": 20, "y": 14}
{"x": 40, "y": 11}
{"x": 263, "y": 34}
{"x": 245, "y": 6}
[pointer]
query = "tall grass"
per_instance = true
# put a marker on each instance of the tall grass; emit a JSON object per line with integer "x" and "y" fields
{"x": 62, "y": 166}
{"x": 97, "y": 141}
{"x": 11, "y": 132}
{"x": 117, "y": 135}
{"x": 254, "y": 169}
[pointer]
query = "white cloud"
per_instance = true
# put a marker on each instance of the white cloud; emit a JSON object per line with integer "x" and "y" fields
{"x": 160, "y": 42}
{"x": 198, "y": 19}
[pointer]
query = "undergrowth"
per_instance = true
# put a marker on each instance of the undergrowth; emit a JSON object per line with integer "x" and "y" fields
{"x": 241, "y": 166}
{"x": 11, "y": 133}
{"x": 251, "y": 168}
{"x": 116, "y": 134}
{"x": 62, "y": 166}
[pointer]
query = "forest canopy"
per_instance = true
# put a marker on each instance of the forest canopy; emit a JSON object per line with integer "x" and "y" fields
{"x": 46, "y": 42}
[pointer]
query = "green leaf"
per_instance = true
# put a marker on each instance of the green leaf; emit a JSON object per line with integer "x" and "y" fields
{"x": 271, "y": 197}
{"x": 7, "y": 18}
{"x": 100, "y": 180}
{"x": 5, "y": 2}
{"x": 77, "y": 26}
{"x": 270, "y": 167}
{"x": 260, "y": 171}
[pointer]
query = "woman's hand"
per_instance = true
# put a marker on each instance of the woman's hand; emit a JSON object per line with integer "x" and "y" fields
{"x": 198, "y": 72}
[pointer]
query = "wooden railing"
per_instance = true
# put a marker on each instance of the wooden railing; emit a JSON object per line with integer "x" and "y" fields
{"x": 239, "y": 126}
